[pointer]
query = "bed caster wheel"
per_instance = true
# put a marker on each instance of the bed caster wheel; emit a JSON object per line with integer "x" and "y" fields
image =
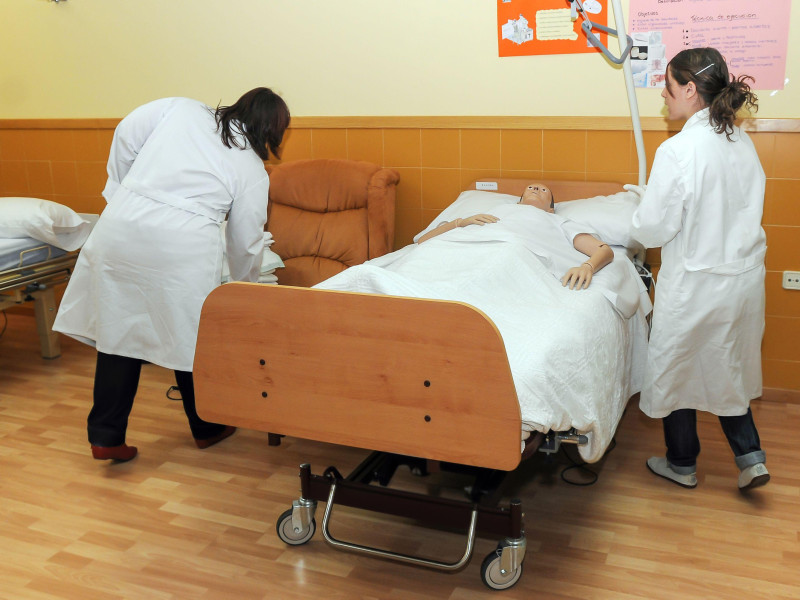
{"x": 492, "y": 575}
{"x": 287, "y": 533}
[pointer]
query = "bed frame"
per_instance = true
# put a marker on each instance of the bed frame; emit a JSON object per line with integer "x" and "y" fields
{"x": 404, "y": 377}
{"x": 37, "y": 283}
{"x": 400, "y": 376}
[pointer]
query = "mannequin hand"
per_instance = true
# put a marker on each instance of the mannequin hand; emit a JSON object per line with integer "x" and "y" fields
{"x": 477, "y": 220}
{"x": 578, "y": 278}
{"x": 636, "y": 189}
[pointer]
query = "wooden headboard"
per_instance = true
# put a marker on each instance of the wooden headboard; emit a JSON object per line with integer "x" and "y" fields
{"x": 562, "y": 190}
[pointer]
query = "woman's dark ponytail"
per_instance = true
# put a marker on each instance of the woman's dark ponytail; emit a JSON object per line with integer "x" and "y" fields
{"x": 725, "y": 106}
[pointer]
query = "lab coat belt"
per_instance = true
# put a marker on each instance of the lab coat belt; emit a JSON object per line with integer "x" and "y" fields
{"x": 735, "y": 267}
{"x": 172, "y": 200}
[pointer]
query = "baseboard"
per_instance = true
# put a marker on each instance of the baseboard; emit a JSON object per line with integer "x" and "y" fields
{"x": 778, "y": 395}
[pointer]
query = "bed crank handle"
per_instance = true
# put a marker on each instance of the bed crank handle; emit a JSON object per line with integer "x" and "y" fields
{"x": 572, "y": 437}
{"x": 394, "y": 555}
{"x": 553, "y": 440}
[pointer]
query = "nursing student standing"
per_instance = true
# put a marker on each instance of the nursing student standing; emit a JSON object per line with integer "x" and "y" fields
{"x": 177, "y": 168}
{"x": 703, "y": 205}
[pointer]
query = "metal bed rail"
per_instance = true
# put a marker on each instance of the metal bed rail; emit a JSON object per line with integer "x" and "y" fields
{"x": 51, "y": 272}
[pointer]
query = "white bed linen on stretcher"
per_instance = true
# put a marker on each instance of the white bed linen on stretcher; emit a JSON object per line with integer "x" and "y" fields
{"x": 575, "y": 359}
{"x": 21, "y": 252}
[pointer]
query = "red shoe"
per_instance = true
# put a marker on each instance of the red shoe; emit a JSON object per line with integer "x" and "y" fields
{"x": 227, "y": 432}
{"x": 121, "y": 453}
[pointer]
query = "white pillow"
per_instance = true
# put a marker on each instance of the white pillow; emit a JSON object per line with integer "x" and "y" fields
{"x": 469, "y": 203}
{"x": 610, "y": 216}
{"x": 43, "y": 220}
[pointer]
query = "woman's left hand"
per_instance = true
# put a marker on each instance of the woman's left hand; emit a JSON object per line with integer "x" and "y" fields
{"x": 578, "y": 278}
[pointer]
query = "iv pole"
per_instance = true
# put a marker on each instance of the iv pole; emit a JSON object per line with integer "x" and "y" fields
{"x": 625, "y": 60}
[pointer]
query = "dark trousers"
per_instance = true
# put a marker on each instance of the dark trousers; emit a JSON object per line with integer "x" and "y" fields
{"x": 116, "y": 379}
{"x": 683, "y": 445}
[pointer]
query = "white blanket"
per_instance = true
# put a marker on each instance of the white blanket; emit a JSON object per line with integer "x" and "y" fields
{"x": 571, "y": 352}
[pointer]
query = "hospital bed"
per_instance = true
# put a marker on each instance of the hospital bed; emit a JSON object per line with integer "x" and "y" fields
{"x": 418, "y": 381}
{"x": 30, "y": 271}
{"x": 39, "y": 243}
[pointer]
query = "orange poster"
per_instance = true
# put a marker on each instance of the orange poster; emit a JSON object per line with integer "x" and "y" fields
{"x": 527, "y": 27}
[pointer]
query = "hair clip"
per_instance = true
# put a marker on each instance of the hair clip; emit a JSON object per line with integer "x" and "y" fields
{"x": 704, "y": 68}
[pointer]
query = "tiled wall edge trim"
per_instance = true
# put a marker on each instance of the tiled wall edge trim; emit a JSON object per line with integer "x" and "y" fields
{"x": 401, "y": 122}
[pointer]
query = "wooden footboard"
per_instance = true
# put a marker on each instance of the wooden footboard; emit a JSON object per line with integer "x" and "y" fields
{"x": 417, "y": 377}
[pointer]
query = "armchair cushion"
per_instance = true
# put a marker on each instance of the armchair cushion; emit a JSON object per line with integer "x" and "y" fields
{"x": 326, "y": 215}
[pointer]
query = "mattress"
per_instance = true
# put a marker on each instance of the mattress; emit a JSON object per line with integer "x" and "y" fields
{"x": 23, "y": 252}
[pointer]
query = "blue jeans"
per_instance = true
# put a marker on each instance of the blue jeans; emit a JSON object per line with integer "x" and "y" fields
{"x": 683, "y": 445}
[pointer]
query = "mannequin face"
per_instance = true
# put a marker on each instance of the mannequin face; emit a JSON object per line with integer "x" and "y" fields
{"x": 537, "y": 195}
{"x": 682, "y": 101}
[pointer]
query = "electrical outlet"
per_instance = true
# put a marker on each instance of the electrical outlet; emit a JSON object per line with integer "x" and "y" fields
{"x": 486, "y": 185}
{"x": 791, "y": 280}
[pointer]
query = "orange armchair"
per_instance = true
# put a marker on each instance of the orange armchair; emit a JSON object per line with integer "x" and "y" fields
{"x": 326, "y": 215}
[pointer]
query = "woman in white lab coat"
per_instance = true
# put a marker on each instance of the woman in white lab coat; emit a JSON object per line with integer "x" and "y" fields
{"x": 703, "y": 205}
{"x": 177, "y": 169}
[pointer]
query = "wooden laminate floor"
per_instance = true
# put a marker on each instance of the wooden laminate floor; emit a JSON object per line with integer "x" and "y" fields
{"x": 181, "y": 523}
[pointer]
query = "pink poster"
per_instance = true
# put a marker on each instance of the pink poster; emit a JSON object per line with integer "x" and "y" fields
{"x": 752, "y": 36}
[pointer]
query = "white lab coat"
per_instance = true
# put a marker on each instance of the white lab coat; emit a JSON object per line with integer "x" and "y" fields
{"x": 156, "y": 252}
{"x": 703, "y": 206}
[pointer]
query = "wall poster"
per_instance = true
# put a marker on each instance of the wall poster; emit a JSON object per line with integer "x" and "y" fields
{"x": 752, "y": 36}
{"x": 529, "y": 27}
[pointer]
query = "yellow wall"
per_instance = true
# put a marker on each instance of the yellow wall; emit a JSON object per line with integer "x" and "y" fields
{"x": 102, "y": 58}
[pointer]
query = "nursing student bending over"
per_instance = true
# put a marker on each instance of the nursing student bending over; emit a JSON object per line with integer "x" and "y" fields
{"x": 703, "y": 206}
{"x": 540, "y": 196}
{"x": 176, "y": 170}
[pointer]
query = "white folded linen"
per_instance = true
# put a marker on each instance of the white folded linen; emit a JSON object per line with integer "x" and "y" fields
{"x": 268, "y": 277}
{"x": 269, "y": 262}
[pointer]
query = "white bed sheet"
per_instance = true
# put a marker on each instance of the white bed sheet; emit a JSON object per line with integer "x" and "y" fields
{"x": 574, "y": 358}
